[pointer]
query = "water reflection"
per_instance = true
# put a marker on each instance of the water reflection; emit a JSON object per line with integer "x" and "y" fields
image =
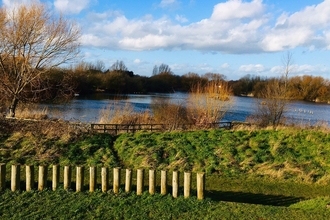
{"x": 88, "y": 108}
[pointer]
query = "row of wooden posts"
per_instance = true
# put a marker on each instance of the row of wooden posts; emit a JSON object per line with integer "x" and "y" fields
{"x": 42, "y": 180}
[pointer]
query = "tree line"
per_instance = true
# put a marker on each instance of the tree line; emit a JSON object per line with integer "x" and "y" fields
{"x": 306, "y": 87}
{"x": 86, "y": 78}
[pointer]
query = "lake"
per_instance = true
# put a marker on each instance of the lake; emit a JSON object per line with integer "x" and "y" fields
{"x": 88, "y": 108}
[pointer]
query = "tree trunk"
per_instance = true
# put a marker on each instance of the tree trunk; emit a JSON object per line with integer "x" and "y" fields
{"x": 12, "y": 107}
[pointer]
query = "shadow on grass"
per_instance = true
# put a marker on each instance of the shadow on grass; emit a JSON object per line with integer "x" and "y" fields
{"x": 252, "y": 198}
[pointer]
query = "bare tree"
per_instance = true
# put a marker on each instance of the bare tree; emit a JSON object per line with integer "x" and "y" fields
{"x": 162, "y": 69}
{"x": 271, "y": 108}
{"x": 32, "y": 41}
{"x": 119, "y": 66}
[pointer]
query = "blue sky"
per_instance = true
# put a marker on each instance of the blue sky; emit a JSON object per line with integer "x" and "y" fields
{"x": 231, "y": 37}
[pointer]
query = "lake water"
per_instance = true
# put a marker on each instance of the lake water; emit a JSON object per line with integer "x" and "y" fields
{"x": 88, "y": 108}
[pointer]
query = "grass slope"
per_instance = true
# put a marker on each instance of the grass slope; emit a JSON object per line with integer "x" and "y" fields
{"x": 296, "y": 154}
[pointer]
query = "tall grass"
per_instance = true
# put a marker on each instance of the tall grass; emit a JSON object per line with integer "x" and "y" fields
{"x": 116, "y": 113}
{"x": 173, "y": 115}
{"x": 208, "y": 103}
{"x": 31, "y": 111}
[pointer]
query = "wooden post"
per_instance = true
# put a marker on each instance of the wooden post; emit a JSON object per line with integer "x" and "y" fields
{"x": 163, "y": 182}
{"x": 116, "y": 179}
{"x": 152, "y": 181}
{"x": 200, "y": 185}
{"x": 56, "y": 177}
{"x": 128, "y": 180}
{"x": 139, "y": 182}
{"x": 29, "y": 174}
{"x": 67, "y": 177}
{"x": 42, "y": 178}
{"x": 2, "y": 176}
{"x": 92, "y": 178}
{"x": 187, "y": 184}
{"x": 175, "y": 184}
{"x": 105, "y": 179}
{"x": 15, "y": 177}
{"x": 79, "y": 178}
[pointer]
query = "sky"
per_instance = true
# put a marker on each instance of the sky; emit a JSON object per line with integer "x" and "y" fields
{"x": 230, "y": 37}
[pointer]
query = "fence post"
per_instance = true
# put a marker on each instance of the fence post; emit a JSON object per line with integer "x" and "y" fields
{"x": 139, "y": 182}
{"x": 79, "y": 178}
{"x": 2, "y": 176}
{"x": 56, "y": 176}
{"x": 67, "y": 177}
{"x": 15, "y": 177}
{"x": 42, "y": 179}
{"x": 187, "y": 184}
{"x": 152, "y": 181}
{"x": 116, "y": 179}
{"x": 104, "y": 179}
{"x": 92, "y": 178}
{"x": 175, "y": 184}
{"x": 200, "y": 185}
{"x": 29, "y": 174}
{"x": 128, "y": 180}
{"x": 163, "y": 182}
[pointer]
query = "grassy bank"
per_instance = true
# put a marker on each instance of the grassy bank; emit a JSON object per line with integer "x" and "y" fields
{"x": 251, "y": 174}
{"x": 283, "y": 154}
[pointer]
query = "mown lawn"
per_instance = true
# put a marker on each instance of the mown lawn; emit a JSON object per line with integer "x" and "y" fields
{"x": 69, "y": 205}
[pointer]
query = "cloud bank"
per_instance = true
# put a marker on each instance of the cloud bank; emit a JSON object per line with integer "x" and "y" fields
{"x": 234, "y": 27}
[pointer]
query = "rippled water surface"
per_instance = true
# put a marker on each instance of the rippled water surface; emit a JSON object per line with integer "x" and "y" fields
{"x": 88, "y": 109}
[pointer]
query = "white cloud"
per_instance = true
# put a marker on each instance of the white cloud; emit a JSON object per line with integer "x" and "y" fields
{"x": 236, "y": 36}
{"x": 236, "y": 9}
{"x": 303, "y": 69}
{"x": 225, "y": 66}
{"x": 71, "y": 6}
{"x": 252, "y": 68}
{"x": 303, "y": 28}
{"x": 181, "y": 18}
{"x": 172, "y": 4}
{"x": 137, "y": 61}
{"x": 235, "y": 26}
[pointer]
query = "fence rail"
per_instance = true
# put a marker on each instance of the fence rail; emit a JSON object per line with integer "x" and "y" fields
{"x": 117, "y": 128}
{"x": 15, "y": 180}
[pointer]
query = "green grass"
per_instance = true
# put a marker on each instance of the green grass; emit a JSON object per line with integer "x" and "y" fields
{"x": 301, "y": 155}
{"x": 68, "y": 205}
{"x": 250, "y": 174}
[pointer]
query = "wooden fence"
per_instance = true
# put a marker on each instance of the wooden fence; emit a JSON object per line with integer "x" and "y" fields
{"x": 117, "y": 128}
{"x": 15, "y": 180}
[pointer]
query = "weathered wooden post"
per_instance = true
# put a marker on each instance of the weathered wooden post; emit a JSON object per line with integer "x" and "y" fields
{"x": 29, "y": 174}
{"x": 56, "y": 176}
{"x": 2, "y": 176}
{"x": 116, "y": 179}
{"x": 42, "y": 178}
{"x": 187, "y": 184}
{"x": 15, "y": 177}
{"x": 128, "y": 180}
{"x": 152, "y": 181}
{"x": 200, "y": 185}
{"x": 175, "y": 184}
{"x": 104, "y": 179}
{"x": 92, "y": 178}
{"x": 163, "y": 182}
{"x": 67, "y": 177}
{"x": 139, "y": 182}
{"x": 79, "y": 178}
